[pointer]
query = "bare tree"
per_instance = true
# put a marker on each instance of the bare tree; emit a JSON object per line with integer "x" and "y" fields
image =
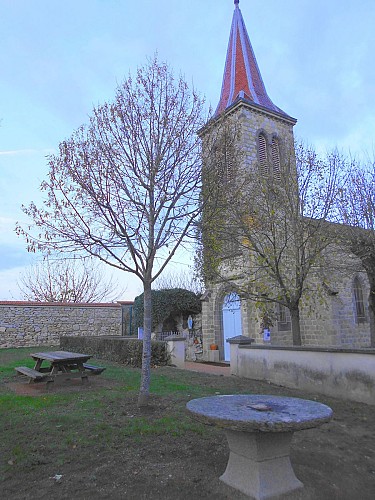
{"x": 125, "y": 188}
{"x": 183, "y": 279}
{"x": 66, "y": 280}
{"x": 267, "y": 231}
{"x": 356, "y": 209}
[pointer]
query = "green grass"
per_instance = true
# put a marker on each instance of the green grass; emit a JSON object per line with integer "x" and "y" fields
{"x": 10, "y": 358}
{"x": 102, "y": 416}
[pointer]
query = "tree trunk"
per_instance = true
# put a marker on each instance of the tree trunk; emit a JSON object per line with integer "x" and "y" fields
{"x": 368, "y": 263}
{"x": 296, "y": 327}
{"x": 371, "y": 308}
{"x": 144, "y": 390}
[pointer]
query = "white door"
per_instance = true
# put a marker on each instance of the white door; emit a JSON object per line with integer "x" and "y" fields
{"x": 231, "y": 320}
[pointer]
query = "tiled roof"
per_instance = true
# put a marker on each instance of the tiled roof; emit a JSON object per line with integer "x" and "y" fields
{"x": 242, "y": 78}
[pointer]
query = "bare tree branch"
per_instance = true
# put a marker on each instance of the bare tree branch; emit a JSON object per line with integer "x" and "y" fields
{"x": 67, "y": 280}
{"x": 125, "y": 188}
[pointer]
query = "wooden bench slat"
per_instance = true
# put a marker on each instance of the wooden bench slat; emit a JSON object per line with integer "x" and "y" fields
{"x": 94, "y": 369}
{"x": 31, "y": 373}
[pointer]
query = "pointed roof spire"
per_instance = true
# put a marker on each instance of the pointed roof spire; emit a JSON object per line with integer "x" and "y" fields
{"x": 242, "y": 78}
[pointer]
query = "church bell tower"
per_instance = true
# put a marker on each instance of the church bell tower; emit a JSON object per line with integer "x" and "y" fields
{"x": 266, "y": 129}
{"x": 265, "y": 141}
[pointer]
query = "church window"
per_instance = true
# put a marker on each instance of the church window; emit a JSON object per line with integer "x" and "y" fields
{"x": 225, "y": 164}
{"x": 262, "y": 154}
{"x": 359, "y": 301}
{"x": 276, "y": 158}
{"x": 229, "y": 170}
{"x": 283, "y": 319}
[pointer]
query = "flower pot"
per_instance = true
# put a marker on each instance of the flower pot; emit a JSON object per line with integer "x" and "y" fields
{"x": 214, "y": 347}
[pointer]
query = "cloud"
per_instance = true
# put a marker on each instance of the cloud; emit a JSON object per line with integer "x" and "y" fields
{"x": 13, "y": 255}
{"x": 7, "y": 231}
{"x": 18, "y": 152}
{"x": 9, "y": 289}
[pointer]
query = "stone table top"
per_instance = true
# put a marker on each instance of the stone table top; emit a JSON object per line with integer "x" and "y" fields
{"x": 263, "y": 413}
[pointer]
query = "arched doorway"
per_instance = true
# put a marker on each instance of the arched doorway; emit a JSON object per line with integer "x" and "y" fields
{"x": 231, "y": 320}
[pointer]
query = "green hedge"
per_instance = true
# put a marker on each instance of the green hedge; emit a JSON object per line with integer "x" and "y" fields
{"x": 127, "y": 351}
{"x": 167, "y": 303}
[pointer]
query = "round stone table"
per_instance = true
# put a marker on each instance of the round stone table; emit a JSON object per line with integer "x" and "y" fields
{"x": 259, "y": 430}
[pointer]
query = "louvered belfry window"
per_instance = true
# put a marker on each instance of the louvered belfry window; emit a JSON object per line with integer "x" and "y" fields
{"x": 262, "y": 153}
{"x": 225, "y": 165}
{"x": 229, "y": 170}
{"x": 276, "y": 159}
{"x": 358, "y": 301}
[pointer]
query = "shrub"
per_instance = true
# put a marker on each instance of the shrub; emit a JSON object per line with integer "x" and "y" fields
{"x": 127, "y": 351}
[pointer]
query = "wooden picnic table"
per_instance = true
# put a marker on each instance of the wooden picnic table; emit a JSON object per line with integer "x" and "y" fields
{"x": 59, "y": 365}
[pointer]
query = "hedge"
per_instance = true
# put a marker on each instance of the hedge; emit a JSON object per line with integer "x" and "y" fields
{"x": 127, "y": 351}
{"x": 167, "y": 303}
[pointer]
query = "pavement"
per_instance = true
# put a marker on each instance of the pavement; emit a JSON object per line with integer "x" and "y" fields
{"x": 211, "y": 368}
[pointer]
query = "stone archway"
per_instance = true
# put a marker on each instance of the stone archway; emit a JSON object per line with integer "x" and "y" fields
{"x": 232, "y": 320}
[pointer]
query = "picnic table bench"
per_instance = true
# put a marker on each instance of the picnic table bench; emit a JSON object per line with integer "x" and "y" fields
{"x": 259, "y": 430}
{"x": 62, "y": 365}
{"x": 95, "y": 370}
{"x": 32, "y": 374}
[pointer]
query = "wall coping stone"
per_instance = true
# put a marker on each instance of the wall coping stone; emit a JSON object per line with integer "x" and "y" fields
{"x": 63, "y": 304}
{"x": 240, "y": 339}
{"x": 363, "y": 350}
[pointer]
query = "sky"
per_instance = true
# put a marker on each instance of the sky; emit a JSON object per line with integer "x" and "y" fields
{"x": 59, "y": 59}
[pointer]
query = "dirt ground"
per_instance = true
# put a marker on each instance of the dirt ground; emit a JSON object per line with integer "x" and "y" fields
{"x": 335, "y": 461}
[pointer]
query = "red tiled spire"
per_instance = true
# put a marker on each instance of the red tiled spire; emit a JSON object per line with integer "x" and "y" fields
{"x": 242, "y": 78}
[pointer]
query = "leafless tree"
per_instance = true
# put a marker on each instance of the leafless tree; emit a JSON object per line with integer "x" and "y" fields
{"x": 267, "y": 233}
{"x": 125, "y": 188}
{"x": 356, "y": 209}
{"x": 66, "y": 280}
{"x": 183, "y": 279}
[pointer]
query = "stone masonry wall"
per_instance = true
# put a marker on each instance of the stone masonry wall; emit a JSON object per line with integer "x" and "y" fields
{"x": 24, "y": 324}
{"x": 329, "y": 322}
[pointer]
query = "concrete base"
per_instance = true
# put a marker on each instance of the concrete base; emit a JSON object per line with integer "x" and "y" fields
{"x": 213, "y": 356}
{"x": 259, "y": 464}
{"x": 176, "y": 348}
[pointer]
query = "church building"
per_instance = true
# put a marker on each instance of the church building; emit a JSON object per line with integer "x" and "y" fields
{"x": 267, "y": 138}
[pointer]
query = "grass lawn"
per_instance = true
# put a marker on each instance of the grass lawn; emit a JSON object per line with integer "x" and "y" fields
{"x": 78, "y": 441}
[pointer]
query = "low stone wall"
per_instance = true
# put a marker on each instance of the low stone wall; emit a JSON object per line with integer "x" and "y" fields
{"x": 343, "y": 373}
{"x": 24, "y": 324}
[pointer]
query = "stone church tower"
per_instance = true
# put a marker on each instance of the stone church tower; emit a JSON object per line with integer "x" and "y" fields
{"x": 267, "y": 130}
{"x": 267, "y": 142}
{"x": 266, "y": 139}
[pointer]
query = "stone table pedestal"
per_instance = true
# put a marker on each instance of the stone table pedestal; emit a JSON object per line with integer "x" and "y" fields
{"x": 259, "y": 430}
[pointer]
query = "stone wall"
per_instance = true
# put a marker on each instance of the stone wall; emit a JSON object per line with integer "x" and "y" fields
{"x": 342, "y": 373}
{"x": 330, "y": 321}
{"x": 24, "y": 324}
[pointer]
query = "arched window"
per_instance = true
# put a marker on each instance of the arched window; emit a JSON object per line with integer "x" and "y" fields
{"x": 276, "y": 159}
{"x": 358, "y": 300}
{"x": 262, "y": 154}
{"x": 283, "y": 319}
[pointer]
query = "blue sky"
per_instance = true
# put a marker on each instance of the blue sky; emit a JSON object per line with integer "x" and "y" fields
{"x": 58, "y": 59}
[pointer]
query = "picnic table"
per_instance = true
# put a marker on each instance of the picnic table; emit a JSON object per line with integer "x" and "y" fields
{"x": 59, "y": 366}
{"x": 259, "y": 430}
